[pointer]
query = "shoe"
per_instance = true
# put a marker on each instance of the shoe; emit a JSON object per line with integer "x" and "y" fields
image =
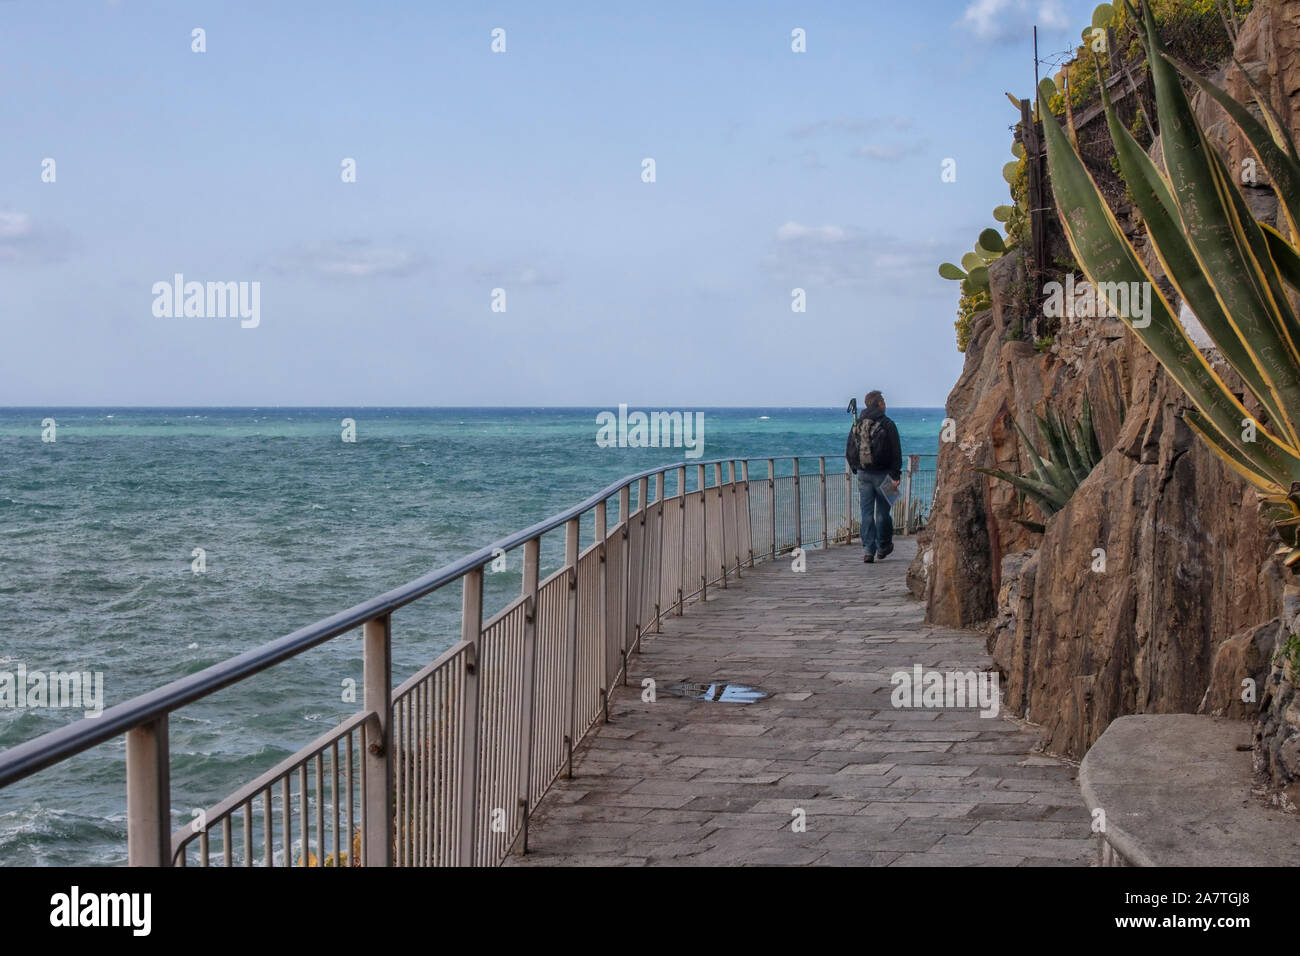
{"x": 867, "y": 558}
{"x": 881, "y": 555}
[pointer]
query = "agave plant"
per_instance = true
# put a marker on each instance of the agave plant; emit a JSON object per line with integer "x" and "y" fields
{"x": 1232, "y": 271}
{"x": 1069, "y": 454}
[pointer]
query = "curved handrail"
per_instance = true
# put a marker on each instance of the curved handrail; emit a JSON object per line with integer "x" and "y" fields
{"x": 32, "y": 756}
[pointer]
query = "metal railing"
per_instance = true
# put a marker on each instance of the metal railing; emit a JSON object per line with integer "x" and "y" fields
{"x": 446, "y": 768}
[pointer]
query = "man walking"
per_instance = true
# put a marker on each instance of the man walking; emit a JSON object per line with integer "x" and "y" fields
{"x": 876, "y": 457}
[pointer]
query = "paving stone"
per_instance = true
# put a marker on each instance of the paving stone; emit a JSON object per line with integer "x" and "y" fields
{"x": 693, "y": 783}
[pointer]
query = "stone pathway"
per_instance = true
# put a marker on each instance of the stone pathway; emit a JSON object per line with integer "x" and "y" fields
{"x": 689, "y": 782}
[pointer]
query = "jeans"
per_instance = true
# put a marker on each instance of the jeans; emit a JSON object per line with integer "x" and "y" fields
{"x": 877, "y": 521}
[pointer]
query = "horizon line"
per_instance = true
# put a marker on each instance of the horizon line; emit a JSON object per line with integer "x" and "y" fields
{"x": 428, "y": 407}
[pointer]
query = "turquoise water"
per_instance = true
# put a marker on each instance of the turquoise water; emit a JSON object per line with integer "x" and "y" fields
{"x": 98, "y": 530}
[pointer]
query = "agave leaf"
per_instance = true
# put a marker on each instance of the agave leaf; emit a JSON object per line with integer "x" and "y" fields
{"x": 1282, "y": 168}
{"x": 1227, "y": 246}
{"x": 1057, "y": 472}
{"x": 1072, "y": 462}
{"x": 1284, "y": 256}
{"x": 1047, "y": 496}
{"x": 1040, "y": 467}
{"x": 1102, "y": 251}
{"x": 1083, "y": 447}
{"x": 950, "y": 271}
{"x": 1154, "y": 200}
{"x": 1015, "y": 101}
{"x": 1231, "y": 456}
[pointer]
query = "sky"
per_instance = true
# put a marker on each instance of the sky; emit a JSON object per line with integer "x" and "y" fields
{"x": 522, "y": 171}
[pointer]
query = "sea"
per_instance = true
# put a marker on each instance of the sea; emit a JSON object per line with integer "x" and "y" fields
{"x": 146, "y": 544}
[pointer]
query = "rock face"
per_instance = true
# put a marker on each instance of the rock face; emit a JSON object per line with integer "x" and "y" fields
{"x": 1239, "y": 672}
{"x": 1159, "y": 555}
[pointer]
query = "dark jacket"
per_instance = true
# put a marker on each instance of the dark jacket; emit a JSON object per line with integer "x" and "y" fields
{"x": 891, "y": 461}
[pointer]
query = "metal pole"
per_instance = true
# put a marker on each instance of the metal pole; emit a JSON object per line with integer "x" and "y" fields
{"x": 681, "y": 557}
{"x": 735, "y": 515}
{"x": 471, "y": 628}
{"x": 148, "y": 795}
{"x": 701, "y": 480}
{"x": 722, "y": 521}
{"x": 571, "y": 651}
{"x": 771, "y": 495}
{"x": 625, "y": 577}
{"x": 907, "y": 492}
{"x": 532, "y": 560}
{"x": 821, "y": 477}
{"x": 377, "y": 808}
{"x": 659, "y": 571}
{"x": 749, "y": 518}
{"x": 640, "y": 587}
{"x": 798, "y": 507}
{"x": 848, "y": 503}
{"x": 602, "y": 602}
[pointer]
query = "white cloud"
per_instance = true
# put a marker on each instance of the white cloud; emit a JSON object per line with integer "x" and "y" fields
{"x": 356, "y": 259}
{"x": 850, "y": 124}
{"x": 840, "y": 255}
{"x": 1000, "y": 21}
{"x": 887, "y": 152}
{"x": 515, "y": 275}
{"x": 14, "y": 225}
{"x": 21, "y": 240}
{"x": 794, "y": 231}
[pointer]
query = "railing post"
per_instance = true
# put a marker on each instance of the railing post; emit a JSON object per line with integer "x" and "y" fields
{"x": 681, "y": 556}
{"x": 532, "y": 560}
{"x": 625, "y": 597}
{"x": 659, "y": 570}
{"x": 848, "y": 503}
{"x": 722, "y": 521}
{"x": 771, "y": 496}
{"x": 571, "y": 651}
{"x": 471, "y": 629}
{"x": 701, "y": 481}
{"x": 636, "y": 590}
{"x": 602, "y": 601}
{"x": 912, "y": 462}
{"x": 821, "y": 478}
{"x": 749, "y": 518}
{"x": 798, "y": 507}
{"x": 735, "y": 514}
{"x": 148, "y": 795}
{"x": 377, "y": 676}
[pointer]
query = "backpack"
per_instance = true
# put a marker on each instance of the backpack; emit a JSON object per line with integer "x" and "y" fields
{"x": 872, "y": 443}
{"x": 867, "y": 430}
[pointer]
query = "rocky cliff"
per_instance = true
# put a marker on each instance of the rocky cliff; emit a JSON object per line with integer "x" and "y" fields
{"x": 1161, "y": 555}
